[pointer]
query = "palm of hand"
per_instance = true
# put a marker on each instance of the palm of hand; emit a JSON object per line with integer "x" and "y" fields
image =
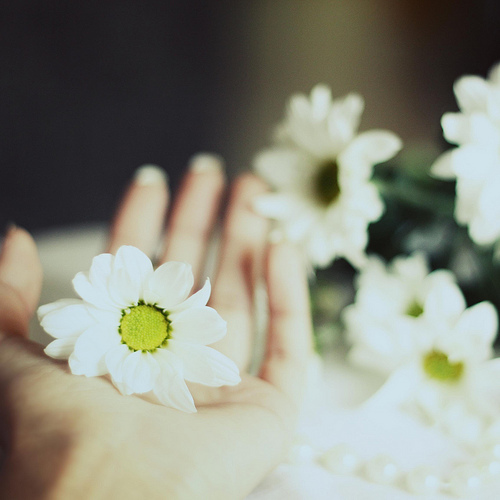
{"x": 151, "y": 440}
{"x": 128, "y": 447}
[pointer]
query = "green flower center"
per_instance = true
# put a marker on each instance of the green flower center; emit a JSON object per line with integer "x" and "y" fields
{"x": 326, "y": 183}
{"x": 144, "y": 327}
{"x": 438, "y": 366}
{"x": 414, "y": 309}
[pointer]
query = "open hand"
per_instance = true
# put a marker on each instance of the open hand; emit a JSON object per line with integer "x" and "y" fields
{"x": 70, "y": 436}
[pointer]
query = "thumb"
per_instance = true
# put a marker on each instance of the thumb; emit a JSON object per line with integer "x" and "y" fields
{"x": 20, "y": 284}
{"x": 20, "y": 281}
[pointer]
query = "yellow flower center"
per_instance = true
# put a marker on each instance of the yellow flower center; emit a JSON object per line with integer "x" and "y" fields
{"x": 414, "y": 309}
{"x": 438, "y": 366}
{"x": 144, "y": 327}
{"x": 327, "y": 182}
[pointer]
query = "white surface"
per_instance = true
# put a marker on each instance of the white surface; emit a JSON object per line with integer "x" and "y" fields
{"x": 336, "y": 410}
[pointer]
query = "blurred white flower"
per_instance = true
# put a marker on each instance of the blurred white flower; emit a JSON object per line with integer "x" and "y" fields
{"x": 456, "y": 366}
{"x": 320, "y": 169}
{"x": 386, "y": 322}
{"x": 417, "y": 328}
{"x": 138, "y": 325}
{"x": 475, "y": 162}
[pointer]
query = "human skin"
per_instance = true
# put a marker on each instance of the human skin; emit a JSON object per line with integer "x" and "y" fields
{"x": 68, "y": 436}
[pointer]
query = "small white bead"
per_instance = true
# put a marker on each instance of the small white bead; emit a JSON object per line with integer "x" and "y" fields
{"x": 341, "y": 459}
{"x": 488, "y": 464}
{"x": 382, "y": 469}
{"x": 300, "y": 453}
{"x": 422, "y": 480}
{"x": 492, "y": 448}
{"x": 466, "y": 480}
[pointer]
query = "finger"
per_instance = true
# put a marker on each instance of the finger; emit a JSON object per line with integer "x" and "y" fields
{"x": 20, "y": 281}
{"x": 289, "y": 343}
{"x": 141, "y": 213}
{"x": 241, "y": 258}
{"x": 194, "y": 213}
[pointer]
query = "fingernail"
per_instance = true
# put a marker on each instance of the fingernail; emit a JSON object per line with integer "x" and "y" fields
{"x": 9, "y": 228}
{"x": 206, "y": 162}
{"x": 150, "y": 175}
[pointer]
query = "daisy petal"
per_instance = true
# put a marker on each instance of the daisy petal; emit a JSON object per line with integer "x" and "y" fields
{"x": 282, "y": 168}
{"x": 456, "y": 127}
{"x": 202, "y": 325}
{"x": 378, "y": 145}
{"x": 90, "y": 349}
{"x": 67, "y": 321}
{"x": 110, "y": 318}
{"x": 484, "y": 388}
{"x": 53, "y": 306}
{"x": 123, "y": 289}
{"x": 277, "y": 205}
{"x": 114, "y": 361}
{"x": 474, "y": 162}
{"x": 198, "y": 299}
{"x": 345, "y": 116}
{"x": 414, "y": 267}
{"x": 471, "y": 93}
{"x": 483, "y": 130}
{"x": 321, "y": 95}
{"x": 488, "y": 201}
{"x": 205, "y": 365}
{"x": 477, "y": 329}
{"x": 368, "y": 149}
{"x": 442, "y": 168}
{"x": 494, "y": 74}
{"x": 120, "y": 386}
{"x": 398, "y": 388}
{"x": 98, "y": 297}
{"x": 169, "y": 285}
{"x": 175, "y": 394}
{"x": 100, "y": 270}
{"x": 136, "y": 267}
{"x": 170, "y": 387}
{"x": 140, "y": 371}
{"x": 444, "y": 302}
{"x": 61, "y": 348}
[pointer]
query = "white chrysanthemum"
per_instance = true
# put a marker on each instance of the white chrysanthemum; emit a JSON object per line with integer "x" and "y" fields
{"x": 138, "y": 325}
{"x": 419, "y": 328}
{"x": 385, "y": 323}
{"x": 475, "y": 163}
{"x": 321, "y": 170}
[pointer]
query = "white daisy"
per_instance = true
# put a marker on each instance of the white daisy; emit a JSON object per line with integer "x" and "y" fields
{"x": 475, "y": 163}
{"x": 386, "y": 323}
{"x": 419, "y": 329}
{"x": 321, "y": 170}
{"x": 138, "y": 325}
{"x": 454, "y": 368}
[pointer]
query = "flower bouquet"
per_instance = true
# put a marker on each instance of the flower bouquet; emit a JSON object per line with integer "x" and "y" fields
{"x": 404, "y": 260}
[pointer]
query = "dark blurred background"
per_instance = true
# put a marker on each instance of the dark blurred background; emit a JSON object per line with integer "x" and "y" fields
{"x": 90, "y": 90}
